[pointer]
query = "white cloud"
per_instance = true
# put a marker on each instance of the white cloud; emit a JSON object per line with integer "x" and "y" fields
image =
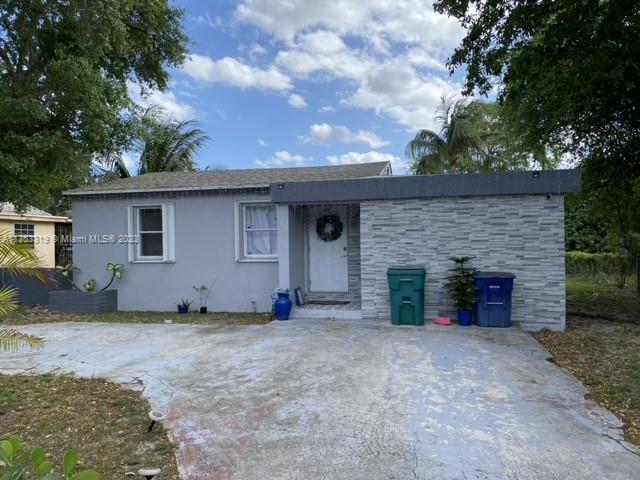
{"x": 284, "y": 19}
{"x": 166, "y": 100}
{"x": 324, "y": 133}
{"x": 296, "y": 101}
{"x": 262, "y": 143}
{"x": 421, "y": 58}
{"x": 282, "y": 158}
{"x": 398, "y": 165}
{"x": 326, "y": 109}
{"x": 379, "y": 21}
{"x": 392, "y": 53}
{"x": 324, "y": 52}
{"x": 207, "y": 20}
{"x": 396, "y": 89}
{"x": 253, "y": 50}
{"x": 230, "y": 71}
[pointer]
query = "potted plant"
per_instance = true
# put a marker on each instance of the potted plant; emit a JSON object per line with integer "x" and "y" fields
{"x": 183, "y": 306}
{"x": 87, "y": 299}
{"x": 462, "y": 288}
{"x": 203, "y": 296}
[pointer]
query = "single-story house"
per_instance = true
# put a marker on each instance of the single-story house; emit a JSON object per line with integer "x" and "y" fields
{"x": 330, "y": 231}
{"x": 34, "y": 228}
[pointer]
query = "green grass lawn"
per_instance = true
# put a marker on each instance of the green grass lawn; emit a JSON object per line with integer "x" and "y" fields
{"x": 105, "y": 423}
{"x": 601, "y": 346}
{"x": 30, "y": 315}
{"x": 600, "y": 298}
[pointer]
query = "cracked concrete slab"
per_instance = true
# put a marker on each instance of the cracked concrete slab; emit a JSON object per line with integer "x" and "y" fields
{"x": 314, "y": 399}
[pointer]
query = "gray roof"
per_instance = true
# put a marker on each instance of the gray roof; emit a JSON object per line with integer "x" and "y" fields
{"x": 8, "y": 209}
{"x": 260, "y": 178}
{"x": 429, "y": 186}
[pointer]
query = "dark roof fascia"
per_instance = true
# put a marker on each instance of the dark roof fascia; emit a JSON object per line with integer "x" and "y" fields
{"x": 164, "y": 192}
{"x": 557, "y": 182}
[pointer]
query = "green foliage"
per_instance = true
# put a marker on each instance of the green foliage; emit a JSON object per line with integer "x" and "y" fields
{"x": 90, "y": 285}
{"x": 185, "y": 302}
{"x": 566, "y": 71}
{"x": 203, "y": 293}
{"x": 16, "y": 259}
{"x": 163, "y": 145}
{"x": 472, "y": 137}
{"x": 11, "y": 340}
{"x": 18, "y": 464}
{"x": 64, "y": 68}
{"x": 586, "y": 228}
{"x": 601, "y": 264}
{"x": 461, "y": 283}
{"x": 116, "y": 269}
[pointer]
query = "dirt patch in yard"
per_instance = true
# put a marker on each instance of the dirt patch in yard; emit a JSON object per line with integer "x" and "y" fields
{"x": 33, "y": 315}
{"x": 605, "y": 356}
{"x": 105, "y": 423}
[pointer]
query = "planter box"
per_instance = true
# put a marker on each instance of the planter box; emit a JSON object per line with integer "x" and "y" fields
{"x": 74, "y": 301}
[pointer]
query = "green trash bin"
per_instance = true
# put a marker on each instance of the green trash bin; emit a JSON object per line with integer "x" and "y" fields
{"x": 406, "y": 291}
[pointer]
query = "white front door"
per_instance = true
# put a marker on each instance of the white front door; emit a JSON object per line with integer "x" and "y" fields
{"x": 328, "y": 261}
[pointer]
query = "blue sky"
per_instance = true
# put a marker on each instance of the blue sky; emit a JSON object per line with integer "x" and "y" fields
{"x": 308, "y": 82}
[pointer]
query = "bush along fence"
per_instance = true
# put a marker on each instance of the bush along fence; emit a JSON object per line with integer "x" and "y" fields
{"x": 622, "y": 267}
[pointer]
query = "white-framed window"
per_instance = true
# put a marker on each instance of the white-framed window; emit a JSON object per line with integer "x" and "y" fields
{"x": 151, "y": 228}
{"x": 24, "y": 234}
{"x": 259, "y": 231}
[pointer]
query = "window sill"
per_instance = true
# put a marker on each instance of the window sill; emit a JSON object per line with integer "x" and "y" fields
{"x": 257, "y": 260}
{"x": 152, "y": 261}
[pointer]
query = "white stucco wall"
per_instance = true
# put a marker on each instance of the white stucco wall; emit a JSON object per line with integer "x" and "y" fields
{"x": 204, "y": 251}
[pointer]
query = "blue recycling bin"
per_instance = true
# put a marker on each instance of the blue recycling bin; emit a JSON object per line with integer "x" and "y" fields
{"x": 493, "y": 308}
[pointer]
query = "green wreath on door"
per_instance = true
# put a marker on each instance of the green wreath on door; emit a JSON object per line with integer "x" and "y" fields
{"x": 329, "y": 228}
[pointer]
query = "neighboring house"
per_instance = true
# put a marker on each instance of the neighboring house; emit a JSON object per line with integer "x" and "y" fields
{"x": 35, "y": 228}
{"x": 252, "y": 231}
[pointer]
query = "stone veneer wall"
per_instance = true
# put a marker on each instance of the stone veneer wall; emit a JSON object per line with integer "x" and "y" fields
{"x": 523, "y": 235}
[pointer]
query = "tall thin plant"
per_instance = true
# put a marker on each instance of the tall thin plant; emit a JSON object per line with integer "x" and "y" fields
{"x": 461, "y": 283}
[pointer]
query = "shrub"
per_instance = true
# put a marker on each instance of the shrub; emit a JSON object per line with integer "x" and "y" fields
{"x": 597, "y": 264}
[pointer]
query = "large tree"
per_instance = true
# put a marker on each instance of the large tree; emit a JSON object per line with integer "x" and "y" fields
{"x": 568, "y": 72}
{"x": 64, "y": 69}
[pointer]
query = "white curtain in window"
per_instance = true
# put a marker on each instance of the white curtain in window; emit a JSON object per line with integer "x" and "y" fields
{"x": 261, "y": 225}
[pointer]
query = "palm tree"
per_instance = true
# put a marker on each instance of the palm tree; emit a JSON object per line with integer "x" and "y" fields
{"x": 16, "y": 259}
{"x": 456, "y": 146}
{"x": 164, "y": 145}
{"x": 171, "y": 146}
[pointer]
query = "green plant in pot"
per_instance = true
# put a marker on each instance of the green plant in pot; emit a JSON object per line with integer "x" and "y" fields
{"x": 461, "y": 286}
{"x": 203, "y": 296}
{"x": 183, "y": 306}
{"x": 116, "y": 270}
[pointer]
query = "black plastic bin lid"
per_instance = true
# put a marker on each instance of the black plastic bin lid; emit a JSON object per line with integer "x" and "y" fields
{"x": 494, "y": 275}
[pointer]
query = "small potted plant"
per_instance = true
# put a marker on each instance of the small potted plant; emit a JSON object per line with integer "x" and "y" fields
{"x": 203, "y": 296}
{"x": 183, "y": 306}
{"x": 462, "y": 288}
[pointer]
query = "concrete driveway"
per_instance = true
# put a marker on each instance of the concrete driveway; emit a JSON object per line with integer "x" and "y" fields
{"x": 313, "y": 399}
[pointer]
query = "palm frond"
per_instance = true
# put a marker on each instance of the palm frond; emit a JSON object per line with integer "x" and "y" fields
{"x": 8, "y": 300}
{"x": 171, "y": 146}
{"x": 12, "y": 340}
{"x": 19, "y": 259}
